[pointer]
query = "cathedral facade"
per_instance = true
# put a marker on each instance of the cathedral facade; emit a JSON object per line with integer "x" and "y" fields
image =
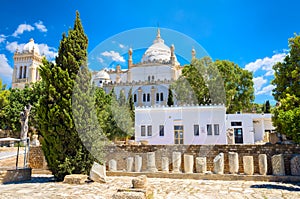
{"x": 149, "y": 80}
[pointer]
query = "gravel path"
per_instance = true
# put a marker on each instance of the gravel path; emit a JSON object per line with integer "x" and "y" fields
{"x": 42, "y": 186}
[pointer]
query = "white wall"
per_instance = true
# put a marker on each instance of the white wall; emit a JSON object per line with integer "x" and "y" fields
{"x": 187, "y": 116}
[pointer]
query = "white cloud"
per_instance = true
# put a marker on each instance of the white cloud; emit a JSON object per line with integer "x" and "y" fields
{"x": 5, "y": 69}
{"x": 100, "y": 60}
{"x": 121, "y": 46}
{"x": 258, "y": 83}
{"x": 2, "y": 38}
{"x": 49, "y": 52}
{"x": 266, "y": 63}
{"x": 13, "y": 46}
{"x": 266, "y": 90}
{"x": 115, "y": 56}
{"x": 40, "y": 26}
{"x": 21, "y": 28}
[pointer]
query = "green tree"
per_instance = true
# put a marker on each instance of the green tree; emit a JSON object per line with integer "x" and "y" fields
{"x": 287, "y": 92}
{"x": 170, "y": 101}
{"x": 4, "y": 103}
{"x": 131, "y": 105}
{"x": 204, "y": 81}
{"x": 62, "y": 146}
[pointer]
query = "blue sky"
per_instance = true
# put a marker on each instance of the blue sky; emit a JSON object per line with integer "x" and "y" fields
{"x": 253, "y": 34}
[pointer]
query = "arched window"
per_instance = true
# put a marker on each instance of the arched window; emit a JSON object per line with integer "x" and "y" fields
{"x": 152, "y": 77}
{"x": 149, "y": 78}
{"x": 25, "y": 70}
{"x": 148, "y": 97}
{"x": 20, "y": 72}
{"x": 161, "y": 97}
{"x": 134, "y": 97}
{"x": 157, "y": 97}
{"x": 144, "y": 97}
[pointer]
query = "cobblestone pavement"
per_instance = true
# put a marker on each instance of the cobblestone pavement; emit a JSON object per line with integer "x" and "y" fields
{"x": 42, "y": 186}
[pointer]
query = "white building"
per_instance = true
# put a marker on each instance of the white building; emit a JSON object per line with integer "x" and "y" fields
{"x": 149, "y": 79}
{"x": 181, "y": 125}
{"x": 250, "y": 128}
{"x": 26, "y": 64}
{"x": 199, "y": 125}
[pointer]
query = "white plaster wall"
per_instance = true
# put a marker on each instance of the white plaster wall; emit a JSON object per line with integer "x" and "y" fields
{"x": 141, "y": 73}
{"x": 186, "y": 116}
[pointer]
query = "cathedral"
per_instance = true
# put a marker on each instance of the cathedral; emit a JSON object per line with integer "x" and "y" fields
{"x": 149, "y": 80}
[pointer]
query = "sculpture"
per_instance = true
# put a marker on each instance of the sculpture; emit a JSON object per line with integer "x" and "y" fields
{"x": 230, "y": 136}
{"x": 24, "y": 121}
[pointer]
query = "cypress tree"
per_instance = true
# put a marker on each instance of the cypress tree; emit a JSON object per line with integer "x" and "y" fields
{"x": 170, "y": 98}
{"x": 62, "y": 146}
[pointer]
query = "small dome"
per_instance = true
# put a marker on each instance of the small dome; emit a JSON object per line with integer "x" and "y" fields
{"x": 102, "y": 75}
{"x": 158, "y": 52}
{"x": 31, "y": 46}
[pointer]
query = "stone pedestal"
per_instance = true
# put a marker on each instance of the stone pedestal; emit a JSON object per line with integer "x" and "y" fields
{"x": 98, "y": 173}
{"x": 201, "y": 165}
{"x": 112, "y": 165}
{"x": 75, "y": 179}
{"x": 295, "y": 165}
{"x": 138, "y": 163}
{"x": 233, "y": 159}
{"x": 165, "y": 164}
{"x": 176, "y": 162}
{"x": 248, "y": 165}
{"x": 151, "y": 167}
{"x": 129, "y": 164}
{"x": 188, "y": 163}
{"x": 219, "y": 164}
{"x": 278, "y": 165}
{"x": 263, "y": 164}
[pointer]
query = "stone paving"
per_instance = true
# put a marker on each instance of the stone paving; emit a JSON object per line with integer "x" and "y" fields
{"x": 42, "y": 186}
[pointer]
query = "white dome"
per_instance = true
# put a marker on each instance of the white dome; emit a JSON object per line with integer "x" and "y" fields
{"x": 31, "y": 46}
{"x": 102, "y": 75}
{"x": 158, "y": 52}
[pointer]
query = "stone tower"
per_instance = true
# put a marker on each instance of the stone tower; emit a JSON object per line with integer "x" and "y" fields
{"x": 26, "y": 64}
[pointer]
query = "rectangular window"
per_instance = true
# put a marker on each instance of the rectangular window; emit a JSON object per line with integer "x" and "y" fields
{"x": 161, "y": 97}
{"x": 157, "y": 97}
{"x": 209, "y": 129}
{"x": 161, "y": 130}
{"x": 134, "y": 97}
{"x": 216, "y": 129}
{"x": 196, "y": 130}
{"x": 143, "y": 130}
{"x": 178, "y": 134}
{"x": 148, "y": 97}
{"x": 236, "y": 123}
{"x": 144, "y": 97}
{"x": 149, "y": 130}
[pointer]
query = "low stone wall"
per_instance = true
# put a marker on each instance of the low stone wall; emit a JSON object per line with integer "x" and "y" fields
{"x": 36, "y": 158}
{"x": 15, "y": 175}
{"x": 120, "y": 154}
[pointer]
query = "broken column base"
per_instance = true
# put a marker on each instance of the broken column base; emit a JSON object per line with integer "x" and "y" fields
{"x": 134, "y": 193}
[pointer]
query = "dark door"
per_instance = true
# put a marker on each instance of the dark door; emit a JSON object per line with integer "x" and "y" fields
{"x": 238, "y": 135}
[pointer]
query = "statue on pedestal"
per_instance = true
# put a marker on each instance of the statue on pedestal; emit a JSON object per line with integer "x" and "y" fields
{"x": 24, "y": 122}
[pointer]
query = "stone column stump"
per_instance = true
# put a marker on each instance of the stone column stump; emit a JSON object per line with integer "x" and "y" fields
{"x": 165, "y": 164}
{"x": 129, "y": 164}
{"x": 201, "y": 165}
{"x": 112, "y": 165}
{"x": 248, "y": 165}
{"x": 233, "y": 159}
{"x": 219, "y": 164}
{"x": 176, "y": 162}
{"x": 138, "y": 163}
{"x": 188, "y": 163}
{"x": 295, "y": 165}
{"x": 151, "y": 166}
{"x": 263, "y": 164}
{"x": 278, "y": 165}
